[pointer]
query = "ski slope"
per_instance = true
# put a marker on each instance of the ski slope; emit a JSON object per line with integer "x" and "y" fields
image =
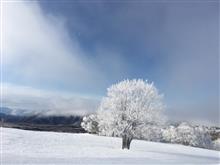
{"x": 33, "y": 147}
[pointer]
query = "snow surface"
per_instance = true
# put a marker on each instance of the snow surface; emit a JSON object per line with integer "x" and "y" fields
{"x": 33, "y": 147}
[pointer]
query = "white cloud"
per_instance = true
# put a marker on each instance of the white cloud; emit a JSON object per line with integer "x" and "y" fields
{"x": 37, "y": 49}
{"x": 28, "y": 100}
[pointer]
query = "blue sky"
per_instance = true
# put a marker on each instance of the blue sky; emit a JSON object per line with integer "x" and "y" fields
{"x": 79, "y": 48}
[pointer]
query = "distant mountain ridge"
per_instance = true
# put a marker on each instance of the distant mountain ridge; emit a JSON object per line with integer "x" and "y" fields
{"x": 6, "y": 110}
{"x": 40, "y": 122}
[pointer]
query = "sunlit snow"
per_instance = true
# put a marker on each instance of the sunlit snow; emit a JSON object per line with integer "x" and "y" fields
{"x": 34, "y": 147}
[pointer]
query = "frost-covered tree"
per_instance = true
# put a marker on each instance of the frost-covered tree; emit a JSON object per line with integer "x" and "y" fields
{"x": 188, "y": 134}
{"x": 90, "y": 123}
{"x": 129, "y": 106}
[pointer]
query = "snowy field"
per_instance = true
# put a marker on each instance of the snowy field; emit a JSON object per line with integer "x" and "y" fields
{"x": 31, "y": 147}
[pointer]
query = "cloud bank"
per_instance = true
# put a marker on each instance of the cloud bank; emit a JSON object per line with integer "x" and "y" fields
{"x": 27, "y": 100}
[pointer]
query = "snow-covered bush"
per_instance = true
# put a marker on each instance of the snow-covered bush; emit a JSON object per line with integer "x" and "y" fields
{"x": 215, "y": 135}
{"x": 170, "y": 134}
{"x": 150, "y": 133}
{"x": 216, "y": 144}
{"x": 90, "y": 123}
{"x": 129, "y": 106}
{"x": 204, "y": 139}
{"x": 187, "y": 134}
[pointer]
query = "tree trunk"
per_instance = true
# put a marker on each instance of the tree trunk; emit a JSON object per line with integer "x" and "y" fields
{"x": 129, "y": 142}
{"x": 126, "y": 141}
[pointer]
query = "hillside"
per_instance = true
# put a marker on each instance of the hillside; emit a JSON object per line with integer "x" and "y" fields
{"x": 32, "y": 147}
